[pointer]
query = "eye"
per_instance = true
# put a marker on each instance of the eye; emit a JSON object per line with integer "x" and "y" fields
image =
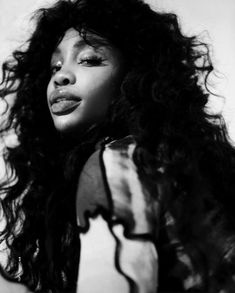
{"x": 56, "y": 67}
{"x": 91, "y": 60}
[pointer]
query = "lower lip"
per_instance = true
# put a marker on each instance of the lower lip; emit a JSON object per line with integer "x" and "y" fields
{"x": 64, "y": 107}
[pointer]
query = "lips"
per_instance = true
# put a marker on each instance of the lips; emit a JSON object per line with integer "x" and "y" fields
{"x": 63, "y": 102}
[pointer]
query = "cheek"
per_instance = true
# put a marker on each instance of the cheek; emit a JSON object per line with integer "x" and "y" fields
{"x": 102, "y": 93}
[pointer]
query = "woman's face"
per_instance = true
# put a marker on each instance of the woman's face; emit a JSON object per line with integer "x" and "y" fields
{"x": 84, "y": 80}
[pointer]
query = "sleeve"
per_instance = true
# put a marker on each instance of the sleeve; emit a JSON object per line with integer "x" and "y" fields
{"x": 122, "y": 249}
{"x": 118, "y": 253}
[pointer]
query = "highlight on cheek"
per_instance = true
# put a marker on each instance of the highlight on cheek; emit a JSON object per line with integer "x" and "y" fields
{"x": 85, "y": 78}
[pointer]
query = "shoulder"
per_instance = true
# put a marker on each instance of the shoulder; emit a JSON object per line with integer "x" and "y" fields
{"x": 117, "y": 159}
{"x": 132, "y": 201}
{"x": 119, "y": 168}
{"x": 116, "y": 155}
{"x": 94, "y": 180}
{"x": 110, "y": 180}
{"x": 119, "y": 153}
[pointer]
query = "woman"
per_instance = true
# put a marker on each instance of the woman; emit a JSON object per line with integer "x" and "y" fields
{"x": 110, "y": 113}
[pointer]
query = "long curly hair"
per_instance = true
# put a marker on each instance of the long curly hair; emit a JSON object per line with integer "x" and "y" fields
{"x": 162, "y": 103}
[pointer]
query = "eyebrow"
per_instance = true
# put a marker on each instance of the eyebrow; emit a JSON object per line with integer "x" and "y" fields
{"x": 91, "y": 40}
{"x": 95, "y": 40}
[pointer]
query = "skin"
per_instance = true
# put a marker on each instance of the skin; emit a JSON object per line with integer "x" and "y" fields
{"x": 89, "y": 75}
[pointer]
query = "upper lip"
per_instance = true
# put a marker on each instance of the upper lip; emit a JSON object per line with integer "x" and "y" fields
{"x": 59, "y": 94}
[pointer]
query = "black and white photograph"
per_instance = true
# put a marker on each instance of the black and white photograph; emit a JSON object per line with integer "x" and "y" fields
{"x": 117, "y": 146}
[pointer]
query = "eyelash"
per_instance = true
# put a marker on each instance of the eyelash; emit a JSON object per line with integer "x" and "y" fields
{"x": 88, "y": 61}
{"x": 91, "y": 61}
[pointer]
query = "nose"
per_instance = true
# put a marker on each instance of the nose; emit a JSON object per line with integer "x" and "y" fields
{"x": 64, "y": 77}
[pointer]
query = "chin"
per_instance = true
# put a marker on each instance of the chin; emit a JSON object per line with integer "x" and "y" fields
{"x": 72, "y": 129}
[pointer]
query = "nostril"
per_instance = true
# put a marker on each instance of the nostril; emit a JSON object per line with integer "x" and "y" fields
{"x": 65, "y": 81}
{"x": 62, "y": 81}
{"x": 64, "y": 77}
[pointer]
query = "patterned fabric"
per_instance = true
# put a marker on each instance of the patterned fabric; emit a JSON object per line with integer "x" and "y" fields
{"x": 137, "y": 255}
{"x": 137, "y": 247}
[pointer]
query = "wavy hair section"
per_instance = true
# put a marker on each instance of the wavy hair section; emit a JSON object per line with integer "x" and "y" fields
{"x": 162, "y": 103}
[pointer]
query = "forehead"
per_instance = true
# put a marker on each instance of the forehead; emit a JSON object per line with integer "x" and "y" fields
{"x": 71, "y": 34}
{"x": 72, "y": 38}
